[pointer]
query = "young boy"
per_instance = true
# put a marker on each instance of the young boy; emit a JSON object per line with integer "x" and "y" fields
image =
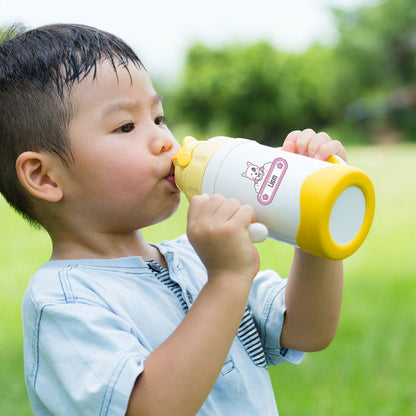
{"x": 112, "y": 324}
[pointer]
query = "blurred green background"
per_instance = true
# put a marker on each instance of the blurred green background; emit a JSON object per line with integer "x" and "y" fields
{"x": 362, "y": 90}
{"x": 370, "y": 367}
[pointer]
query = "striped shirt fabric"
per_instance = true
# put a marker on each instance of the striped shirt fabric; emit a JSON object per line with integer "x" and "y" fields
{"x": 247, "y": 332}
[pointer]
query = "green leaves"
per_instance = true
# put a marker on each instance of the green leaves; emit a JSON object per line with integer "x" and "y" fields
{"x": 260, "y": 92}
{"x": 257, "y": 91}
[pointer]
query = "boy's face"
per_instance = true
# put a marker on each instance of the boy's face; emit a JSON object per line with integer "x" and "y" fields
{"x": 121, "y": 178}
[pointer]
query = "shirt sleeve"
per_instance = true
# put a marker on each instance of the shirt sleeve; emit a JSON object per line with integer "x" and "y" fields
{"x": 84, "y": 359}
{"x": 267, "y": 304}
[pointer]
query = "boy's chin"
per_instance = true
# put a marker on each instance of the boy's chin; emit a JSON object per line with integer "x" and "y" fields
{"x": 177, "y": 196}
{"x": 176, "y": 199}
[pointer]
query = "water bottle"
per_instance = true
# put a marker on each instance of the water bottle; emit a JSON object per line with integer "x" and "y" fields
{"x": 325, "y": 208}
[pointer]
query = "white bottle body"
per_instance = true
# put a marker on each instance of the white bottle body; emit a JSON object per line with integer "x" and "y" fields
{"x": 270, "y": 180}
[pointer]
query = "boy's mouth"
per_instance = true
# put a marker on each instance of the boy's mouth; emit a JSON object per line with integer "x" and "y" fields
{"x": 171, "y": 177}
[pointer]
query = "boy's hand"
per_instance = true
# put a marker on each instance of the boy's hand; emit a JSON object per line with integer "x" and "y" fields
{"x": 316, "y": 145}
{"x": 218, "y": 230}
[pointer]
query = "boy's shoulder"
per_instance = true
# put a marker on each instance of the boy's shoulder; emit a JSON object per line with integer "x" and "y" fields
{"x": 58, "y": 282}
{"x": 63, "y": 281}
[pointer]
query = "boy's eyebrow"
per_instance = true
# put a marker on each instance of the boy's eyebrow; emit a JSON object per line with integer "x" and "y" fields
{"x": 128, "y": 105}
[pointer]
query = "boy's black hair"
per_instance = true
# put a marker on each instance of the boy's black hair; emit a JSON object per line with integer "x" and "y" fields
{"x": 37, "y": 70}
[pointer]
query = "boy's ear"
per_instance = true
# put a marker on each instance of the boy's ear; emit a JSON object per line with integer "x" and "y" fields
{"x": 36, "y": 172}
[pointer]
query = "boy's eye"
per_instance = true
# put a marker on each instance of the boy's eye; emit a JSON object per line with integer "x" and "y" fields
{"x": 125, "y": 128}
{"x": 160, "y": 120}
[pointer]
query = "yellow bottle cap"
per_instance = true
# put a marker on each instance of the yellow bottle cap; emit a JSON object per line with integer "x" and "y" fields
{"x": 191, "y": 161}
{"x": 316, "y": 207}
{"x": 184, "y": 155}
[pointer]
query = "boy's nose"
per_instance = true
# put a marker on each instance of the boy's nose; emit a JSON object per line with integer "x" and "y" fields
{"x": 165, "y": 142}
{"x": 167, "y": 146}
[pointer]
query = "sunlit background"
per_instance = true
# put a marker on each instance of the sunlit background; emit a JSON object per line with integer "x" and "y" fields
{"x": 259, "y": 69}
{"x": 161, "y": 31}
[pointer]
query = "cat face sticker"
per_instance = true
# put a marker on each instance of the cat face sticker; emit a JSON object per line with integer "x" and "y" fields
{"x": 252, "y": 171}
{"x": 266, "y": 178}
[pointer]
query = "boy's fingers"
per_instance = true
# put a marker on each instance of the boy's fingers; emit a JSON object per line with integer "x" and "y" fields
{"x": 303, "y": 140}
{"x": 316, "y": 143}
{"x": 297, "y": 141}
{"x": 195, "y": 206}
{"x": 289, "y": 144}
{"x": 333, "y": 147}
{"x": 198, "y": 201}
{"x": 214, "y": 207}
{"x": 245, "y": 215}
{"x": 227, "y": 209}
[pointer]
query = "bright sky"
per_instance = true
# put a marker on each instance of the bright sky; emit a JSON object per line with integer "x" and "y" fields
{"x": 160, "y": 31}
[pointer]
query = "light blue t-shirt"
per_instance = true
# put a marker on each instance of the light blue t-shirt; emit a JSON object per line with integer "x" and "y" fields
{"x": 90, "y": 324}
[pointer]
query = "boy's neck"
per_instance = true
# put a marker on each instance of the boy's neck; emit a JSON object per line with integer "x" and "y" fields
{"x": 100, "y": 245}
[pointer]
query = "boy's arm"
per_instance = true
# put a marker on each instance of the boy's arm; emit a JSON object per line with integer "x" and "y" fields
{"x": 313, "y": 301}
{"x": 314, "y": 288}
{"x": 179, "y": 375}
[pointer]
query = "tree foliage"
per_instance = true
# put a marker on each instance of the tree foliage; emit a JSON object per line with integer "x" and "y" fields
{"x": 257, "y": 91}
{"x": 365, "y": 79}
{"x": 377, "y": 46}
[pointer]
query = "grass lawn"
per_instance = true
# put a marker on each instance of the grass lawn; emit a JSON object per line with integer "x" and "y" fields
{"x": 370, "y": 367}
